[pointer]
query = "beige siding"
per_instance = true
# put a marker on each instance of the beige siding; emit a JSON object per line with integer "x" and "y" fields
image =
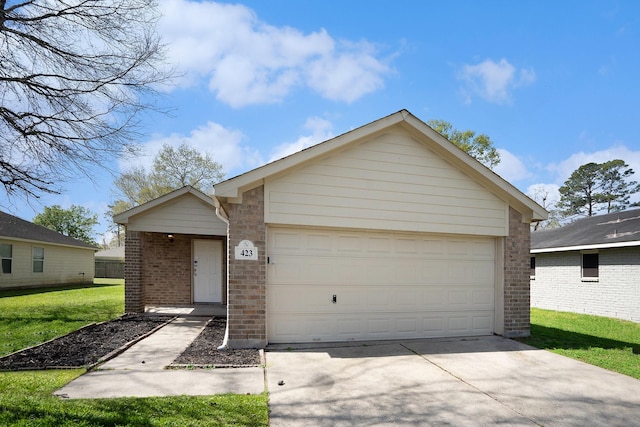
{"x": 62, "y": 265}
{"x": 392, "y": 182}
{"x": 385, "y": 285}
{"x": 185, "y": 215}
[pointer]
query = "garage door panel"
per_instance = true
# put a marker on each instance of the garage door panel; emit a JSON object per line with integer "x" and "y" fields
{"x": 387, "y": 285}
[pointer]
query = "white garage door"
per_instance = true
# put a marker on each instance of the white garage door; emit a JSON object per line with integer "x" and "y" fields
{"x": 327, "y": 285}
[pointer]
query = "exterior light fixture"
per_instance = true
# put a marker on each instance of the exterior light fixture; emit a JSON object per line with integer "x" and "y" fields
{"x": 170, "y": 237}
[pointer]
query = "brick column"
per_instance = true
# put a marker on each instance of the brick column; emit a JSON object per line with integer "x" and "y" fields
{"x": 247, "y": 278}
{"x": 133, "y": 292}
{"x": 516, "y": 277}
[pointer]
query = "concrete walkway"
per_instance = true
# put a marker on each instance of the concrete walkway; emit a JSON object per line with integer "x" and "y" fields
{"x": 140, "y": 371}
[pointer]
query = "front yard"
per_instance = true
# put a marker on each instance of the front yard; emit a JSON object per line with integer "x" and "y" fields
{"x": 599, "y": 341}
{"x": 34, "y": 316}
{"x": 30, "y": 317}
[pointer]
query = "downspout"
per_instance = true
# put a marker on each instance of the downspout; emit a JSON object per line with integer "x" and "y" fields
{"x": 220, "y": 213}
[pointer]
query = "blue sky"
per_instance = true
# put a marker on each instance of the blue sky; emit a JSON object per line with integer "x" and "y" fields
{"x": 555, "y": 84}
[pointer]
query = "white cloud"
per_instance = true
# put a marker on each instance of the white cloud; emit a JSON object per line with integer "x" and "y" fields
{"x": 224, "y": 145}
{"x": 320, "y": 131}
{"x": 247, "y": 61}
{"x": 563, "y": 169}
{"x": 493, "y": 81}
{"x": 560, "y": 172}
{"x": 511, "y": 168}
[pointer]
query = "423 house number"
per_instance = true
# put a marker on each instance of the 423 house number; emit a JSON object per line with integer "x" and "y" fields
{"x": 246, "y": 253}
{"x": 246, "y": 250}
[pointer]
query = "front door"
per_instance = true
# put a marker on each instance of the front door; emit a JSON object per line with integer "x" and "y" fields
{"x": 207, "y": 271}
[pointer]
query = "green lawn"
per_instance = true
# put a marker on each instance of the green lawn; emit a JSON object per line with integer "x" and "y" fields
{"x": 32, "y": 316}
{"x": 26, "y": 400}
{"x": 599, "y": 341}
{"x": 29, "y": 317}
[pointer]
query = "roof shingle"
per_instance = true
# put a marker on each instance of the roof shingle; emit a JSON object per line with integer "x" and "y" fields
{"x": 16, "y": 228}
{"x": 608, "y": 229}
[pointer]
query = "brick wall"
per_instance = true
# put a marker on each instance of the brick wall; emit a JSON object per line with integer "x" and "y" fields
{"x": 558, "y": 284}
{"x": 166, "y": 269}
{"x": 158, "y": 271}
{"x": 247, "y": 279}
{"x": 516, "y": 277}
{"x": 133, "y": 295}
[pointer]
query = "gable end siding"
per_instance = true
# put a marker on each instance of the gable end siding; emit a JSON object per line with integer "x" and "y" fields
{"x": 392, "y": 182}
{"x": 185, "y": 215}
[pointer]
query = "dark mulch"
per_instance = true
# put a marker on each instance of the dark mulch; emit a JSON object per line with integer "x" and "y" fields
{"x": 203, "y": 350}
{"x": 84, "y": 347}
{"x": 87, "y": 346}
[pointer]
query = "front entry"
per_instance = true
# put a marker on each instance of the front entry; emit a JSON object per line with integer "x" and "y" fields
{"x": 207, "y": 271}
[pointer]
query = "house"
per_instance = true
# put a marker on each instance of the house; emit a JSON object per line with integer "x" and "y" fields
{"x": 387, "y": 231}
{"x": 110, "y": 263}
{"x": 35, "y": 256}
{"x": 590, "y": 266}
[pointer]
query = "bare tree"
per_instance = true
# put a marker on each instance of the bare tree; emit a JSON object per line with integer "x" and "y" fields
{"x": 543, "y": 196}
{"x": 74, "y": 76}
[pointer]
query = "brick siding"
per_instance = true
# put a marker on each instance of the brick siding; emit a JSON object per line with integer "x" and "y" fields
{"x": 558, "y": 284}
{"x": 133, "y": 295}
{"x": 516, "y": 277}
{"x": 158, "y": 271}
{"x": 247, "y": 315}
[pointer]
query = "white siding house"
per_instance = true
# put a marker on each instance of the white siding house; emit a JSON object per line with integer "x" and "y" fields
{"x": 591, "y": 266}
{"x": 34, "y": 256}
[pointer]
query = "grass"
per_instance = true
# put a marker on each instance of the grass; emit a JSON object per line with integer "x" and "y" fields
{"x": 26, "y": 400}
{"x": 28, "y": 317}
{"x": 599, "y": 341}
{"x": 32, "y": 316}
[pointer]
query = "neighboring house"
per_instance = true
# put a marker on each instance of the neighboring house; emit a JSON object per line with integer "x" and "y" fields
{"x": 388, "y": 231}
{"x": 35, "y": 256}
{"x": 110, "y": 263}
{"x": 589, "y": 266}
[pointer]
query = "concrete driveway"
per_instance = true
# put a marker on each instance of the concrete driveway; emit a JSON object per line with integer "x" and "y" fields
{"x": 458, "y": 382}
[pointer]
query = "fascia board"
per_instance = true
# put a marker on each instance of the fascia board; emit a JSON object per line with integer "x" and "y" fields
{"x": 232, "y": 188}
{"x": 123, "y": 218}
{"x": 586, "y": 247}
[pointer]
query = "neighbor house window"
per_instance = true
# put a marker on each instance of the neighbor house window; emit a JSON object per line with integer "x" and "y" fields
{"x": 6, "y": 258}
{"x": 38, "y": 260}
{"x": 590, "y": 263}
{"x": 533, "y": 267}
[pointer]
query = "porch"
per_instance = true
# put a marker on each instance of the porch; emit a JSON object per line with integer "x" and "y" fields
{"x": 192, "y": 310}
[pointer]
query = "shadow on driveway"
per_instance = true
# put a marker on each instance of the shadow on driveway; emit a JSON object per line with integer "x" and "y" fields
{"x": 463, "y": 381}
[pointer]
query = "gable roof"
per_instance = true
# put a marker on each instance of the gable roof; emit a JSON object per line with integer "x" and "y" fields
{"x": 232, "y": 189}
{"x": 123, "y": 218}
{"x": 14, "y": 228}
{"x": 618, "y": 229}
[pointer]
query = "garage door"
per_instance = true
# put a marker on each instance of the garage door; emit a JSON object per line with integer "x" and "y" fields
{"x": 328, "y": 285}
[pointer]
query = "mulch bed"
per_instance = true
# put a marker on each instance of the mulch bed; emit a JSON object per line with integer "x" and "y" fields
{"x": 84, "y": 347}
{"x": 95, "y": 343}
{"x": 203, "y": 351}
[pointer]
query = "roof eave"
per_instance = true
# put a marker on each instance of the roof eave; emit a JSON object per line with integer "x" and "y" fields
{"x": 123, "y": 218}
{"x": 233, "y": 188}
{"x": 587, "y": 247}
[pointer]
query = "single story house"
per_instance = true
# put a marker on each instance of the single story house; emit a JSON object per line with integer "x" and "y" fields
{"x": 387, "y": 231}
{"x": 35, "y": 256}
{"x": 110, "y": 263}
{"x": 590, "y": 266}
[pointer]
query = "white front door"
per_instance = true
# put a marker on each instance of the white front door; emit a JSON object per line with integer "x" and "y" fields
{"x": 207, "y": 271}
